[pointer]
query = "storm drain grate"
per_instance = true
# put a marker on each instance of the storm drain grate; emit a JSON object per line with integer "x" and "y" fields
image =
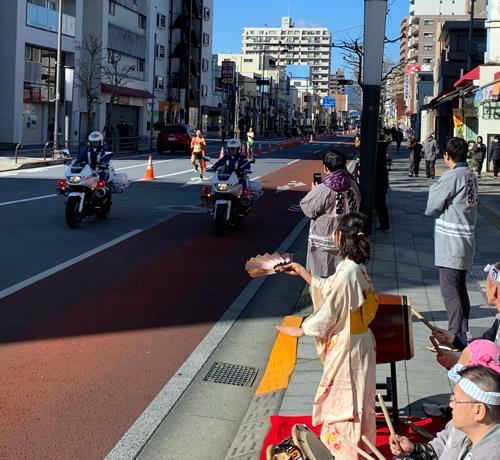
{"x": 231, "y": 374}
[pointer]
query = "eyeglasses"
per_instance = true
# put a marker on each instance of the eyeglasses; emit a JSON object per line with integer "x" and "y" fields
{"x": 458, "y": 401}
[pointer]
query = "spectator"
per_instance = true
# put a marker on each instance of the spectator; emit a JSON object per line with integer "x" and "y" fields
{"x": 108, "y": 131}
{"x": 123, "y": 131}
{"x": 479, "y": 150}
{"x": 450, "y": 358}
{"x": 399, "y": 138}
{"x": 431, "y": 150}
{"x": 453, "y": 200}
{"x": 495, "y": 154}
{"x": 474, "y": 432}
{"x": 50, "y": 131}
{"x": 415, "y": 149}
{"x": 381, "y": 187}
{"x": 325, "y": 205}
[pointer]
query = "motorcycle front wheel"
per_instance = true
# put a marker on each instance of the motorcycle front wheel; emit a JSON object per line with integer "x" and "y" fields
{"x": 104, "y": 212}
{"x": 220, "y": 220}
{"x": 73, "y": 216}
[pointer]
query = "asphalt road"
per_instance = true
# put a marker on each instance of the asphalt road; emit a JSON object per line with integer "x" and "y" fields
{"x": 96, "y": 320}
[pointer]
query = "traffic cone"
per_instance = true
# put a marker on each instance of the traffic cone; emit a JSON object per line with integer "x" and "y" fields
{"x": 221, "y": 154}
{"x": 311, "y": 139}
{"x": 150, "y": 175}
{"x": 259, "y": 151}
{"x": 269, "y": 148}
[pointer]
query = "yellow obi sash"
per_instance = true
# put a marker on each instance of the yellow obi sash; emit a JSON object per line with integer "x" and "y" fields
{"x": 363, "y": 316}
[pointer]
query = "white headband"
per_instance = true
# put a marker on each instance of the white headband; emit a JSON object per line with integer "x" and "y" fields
{"x": 469, "y": 387}
{"x": 493, "y": 272}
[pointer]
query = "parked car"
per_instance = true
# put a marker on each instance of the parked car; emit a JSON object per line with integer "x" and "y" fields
{"x": 175, "y": 137}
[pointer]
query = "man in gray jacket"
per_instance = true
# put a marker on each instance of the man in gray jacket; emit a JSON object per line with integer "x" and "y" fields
{"x": 453, "y": 200}
{"x": 474, "y": 431}
{"x": 430, "y": 150}
{"x": 325, "y": 205}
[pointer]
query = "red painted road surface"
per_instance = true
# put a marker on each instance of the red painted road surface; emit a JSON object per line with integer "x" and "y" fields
{"x": 83, "y": 352}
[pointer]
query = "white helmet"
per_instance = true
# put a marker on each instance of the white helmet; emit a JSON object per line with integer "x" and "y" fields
{"x": 233, "y": 144}
{"x": 95, "y": 136}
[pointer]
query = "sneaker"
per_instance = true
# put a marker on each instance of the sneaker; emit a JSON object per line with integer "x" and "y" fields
{"x": 410, "y": 175}
{"x": 195, "y": 168}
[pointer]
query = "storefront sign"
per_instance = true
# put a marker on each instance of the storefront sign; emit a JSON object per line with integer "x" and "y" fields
{"x": 227, "y": 72}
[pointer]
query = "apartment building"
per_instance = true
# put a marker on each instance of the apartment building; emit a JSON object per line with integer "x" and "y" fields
{"x": 294, "y": 45}
{"x": 403, "y": 79}
{"x": 28, "y": 73}
{"x": 336, "y": 86}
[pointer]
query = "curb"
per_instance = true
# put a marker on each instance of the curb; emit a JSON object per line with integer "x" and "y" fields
{"x": 36, "y": 164}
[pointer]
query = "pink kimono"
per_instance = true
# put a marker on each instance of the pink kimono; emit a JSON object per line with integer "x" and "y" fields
{"x": 345, "y": 399}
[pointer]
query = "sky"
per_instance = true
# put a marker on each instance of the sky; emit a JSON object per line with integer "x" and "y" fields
{"x": 344, "y": 18}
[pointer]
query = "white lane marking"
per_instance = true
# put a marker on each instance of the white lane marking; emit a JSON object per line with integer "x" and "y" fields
{"x": 168, "y": 175}
{"x": 6, "y": 203}
{"x": 142, "y": 164}
{"x": 45, "y": 274}
{"x": 134, "y": 440}
{"x": 294, "y": 161}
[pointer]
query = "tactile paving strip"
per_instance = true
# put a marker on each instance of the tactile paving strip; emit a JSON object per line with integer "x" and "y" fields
{"x": 231, "y": 374}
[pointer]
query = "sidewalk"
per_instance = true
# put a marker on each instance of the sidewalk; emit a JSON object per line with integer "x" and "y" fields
{"x": 9, "y": 163}
{"x": 402, "y": 264}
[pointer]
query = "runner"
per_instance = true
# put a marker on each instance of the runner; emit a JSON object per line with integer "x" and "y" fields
{"x": 198, "y": 145}
{"x": 250, "y": 142}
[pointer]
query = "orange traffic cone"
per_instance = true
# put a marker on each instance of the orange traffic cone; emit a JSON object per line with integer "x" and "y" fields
{"x": 269, "y": 148}
{"x": 221, "y": 154}
{"x": 150, "y": 175}
{"x": 311, "y": 139}
{"x": 259, "y": 151}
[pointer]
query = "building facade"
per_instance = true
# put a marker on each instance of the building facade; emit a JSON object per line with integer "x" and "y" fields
{"x": 28, "y": 74}
{"x": 294, "y": 46}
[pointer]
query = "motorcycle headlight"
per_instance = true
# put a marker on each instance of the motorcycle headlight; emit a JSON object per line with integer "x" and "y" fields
{"x": 222, "y": 187}
{"x": 75, "y": 179}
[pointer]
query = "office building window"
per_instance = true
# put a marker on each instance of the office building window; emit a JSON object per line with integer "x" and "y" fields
{"x": 427, "y": 47}
{"x": 204, "y": 90}
{"x": 428, "y": 22}
{"x": 206, "y": 13}
{"x": 112, "y": 8}
{"x": 141, "y": 21}
{"x": 159, "y": 82}
{"x": 160, "y": 51}
{"x": 428, "y": 34}
{"x": 206, "y": 39}
{"x": 204, "y": 65}
{"x": 140, "y": 65}
{"x": 161, "y": 20}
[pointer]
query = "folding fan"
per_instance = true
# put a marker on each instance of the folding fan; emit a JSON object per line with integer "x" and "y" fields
{"x": 265, "y": 264}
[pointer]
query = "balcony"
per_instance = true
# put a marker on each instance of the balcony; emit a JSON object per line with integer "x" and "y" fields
{"x": 414, "y": 20}
{"x": 413, "y": 54}
{"x": 46, "y": 19}
{"x": 413, "y": 42}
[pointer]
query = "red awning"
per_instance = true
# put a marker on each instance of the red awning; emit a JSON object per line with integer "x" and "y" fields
{"x": 125, "y": 91}
{"x": 468, "y": 78}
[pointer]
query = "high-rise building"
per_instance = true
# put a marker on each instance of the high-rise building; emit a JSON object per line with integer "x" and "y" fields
{"x": 336, "y": 84}
{"x": 402, "y": 79}
{"x": 294, "y": 45}
{"x": 28, "y": 73}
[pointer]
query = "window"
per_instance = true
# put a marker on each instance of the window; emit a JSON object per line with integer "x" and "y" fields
{"x": 428, "y": 22}
{"x": 204, "y": 65}
{"x": 159, "y": 82}
{"x": 112, "y": 7}
{"x": 206, "y": 39}
{"x": 112, "y": 56}
{"x": 428, "y": 34}
{"x": 140, "y": 65}
{"x": 427, "y": 47}
{"x": 161, "y": 20}
{"x": 141, "y": 21}
{"x": 204, "y": 90}
{"x": 427, "y": 60}
{"x": 206, "y": 13}
{"x": 160, "y": 51}
{"x": 247, "y": 60}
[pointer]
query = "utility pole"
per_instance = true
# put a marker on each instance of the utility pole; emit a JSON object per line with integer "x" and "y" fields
{"x": 374, "y": 32}
{"x": 153, "y": 93}
{"x": 471, "y": 28}
{"x": 58, "y": 77}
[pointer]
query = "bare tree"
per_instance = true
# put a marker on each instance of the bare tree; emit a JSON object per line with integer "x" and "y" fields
{"x": 115, "y": 74}
{"x": 88, "y": 75}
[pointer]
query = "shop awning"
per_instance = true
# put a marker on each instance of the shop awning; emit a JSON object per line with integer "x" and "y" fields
{"x": 445, "y": 95}
{"x": 468, "y": 78}
{"x": 125, "y": 91}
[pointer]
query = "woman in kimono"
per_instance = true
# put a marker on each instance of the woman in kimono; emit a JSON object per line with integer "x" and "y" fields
{"x": 344, "y": 305}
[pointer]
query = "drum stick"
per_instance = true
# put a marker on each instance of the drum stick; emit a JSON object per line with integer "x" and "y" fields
{"x": 377, "y": 452}
{"x": 421, "y": 318}
{"x": 436, "y": 346}
{"x": 356, "y": 448}
{"x": 387, "y": 418}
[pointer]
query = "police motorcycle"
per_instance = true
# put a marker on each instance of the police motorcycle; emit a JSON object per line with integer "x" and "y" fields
{"x": 88, "y": 191}
{"x": 230, "y": 196}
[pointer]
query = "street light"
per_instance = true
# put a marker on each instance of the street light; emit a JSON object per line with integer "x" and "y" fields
{"x": 373, "y": 56}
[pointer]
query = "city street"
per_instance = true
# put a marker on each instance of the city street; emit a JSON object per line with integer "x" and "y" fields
{"x": 102, "y": 317}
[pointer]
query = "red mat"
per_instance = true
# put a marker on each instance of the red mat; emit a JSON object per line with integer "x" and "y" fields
{"x": 281, "y": 427}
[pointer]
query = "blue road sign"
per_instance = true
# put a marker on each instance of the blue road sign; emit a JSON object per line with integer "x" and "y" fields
{"x": 328, "y": 102}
